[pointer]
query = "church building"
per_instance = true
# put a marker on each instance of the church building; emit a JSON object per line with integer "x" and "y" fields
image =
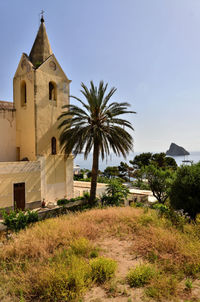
{"x": 32, "y": 166}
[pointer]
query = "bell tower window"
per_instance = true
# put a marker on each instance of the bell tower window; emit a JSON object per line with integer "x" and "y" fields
{"x": 52, "y": 91}
{"x": 53, "y": 146}
{"x": 23, "y": 93}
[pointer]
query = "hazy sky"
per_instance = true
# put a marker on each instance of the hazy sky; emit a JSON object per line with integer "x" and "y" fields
{"x": 148, "y": 49}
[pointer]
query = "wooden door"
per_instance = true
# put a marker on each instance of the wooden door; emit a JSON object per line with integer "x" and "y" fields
{"x": 19, "y": 196}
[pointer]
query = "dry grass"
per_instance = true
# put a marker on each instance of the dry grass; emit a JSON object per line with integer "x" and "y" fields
{"x": 27, "y": 259}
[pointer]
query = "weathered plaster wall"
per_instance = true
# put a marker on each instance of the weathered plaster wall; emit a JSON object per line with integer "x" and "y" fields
{"x": 56, "y": 177}
{"x": 16, "y": 172}
{"x": 25, "y": 115}
{"x": 69, "y": 177}
{"x": 47, "y": 111}
{"x": 7, "y": 135}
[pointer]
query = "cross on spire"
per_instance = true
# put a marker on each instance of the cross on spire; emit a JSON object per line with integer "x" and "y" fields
{"x": 42, "y": 15}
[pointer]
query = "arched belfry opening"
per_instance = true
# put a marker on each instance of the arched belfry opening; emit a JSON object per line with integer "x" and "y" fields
{"x": 52, "y": 91}
{"x": 53, "y": 146}
{"x": 23, "y": 93}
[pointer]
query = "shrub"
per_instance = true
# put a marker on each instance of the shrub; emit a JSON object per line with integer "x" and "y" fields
{"x": 86, "y": 196}
{"x": 62, "y": 202}
{"x": 188, "y": 284}
{"x": 83, "y": 247}
{"x": 146, "y": 220}
{"x": 177, "y": 218}
{"x": 162, "y": 287}
{"x": 63, "y": 281}
{"x": 32, "y": 216}
{"x": 103, "y": 269}
{"x": 17, "y": 220}
{"x": 159, "y": 181}
{"x": 185, "y": 190}
{"x": 138, "y": 204}
{"x": 116, "y": 192}
{"x": 141, "y": 275}
{"x": 160, "y": 208}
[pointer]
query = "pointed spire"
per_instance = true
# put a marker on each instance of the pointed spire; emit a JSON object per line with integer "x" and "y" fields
{"x": 41, "y": 49}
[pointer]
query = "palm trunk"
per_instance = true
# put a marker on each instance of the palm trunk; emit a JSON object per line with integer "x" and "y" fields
{"x": 95, "y": 168}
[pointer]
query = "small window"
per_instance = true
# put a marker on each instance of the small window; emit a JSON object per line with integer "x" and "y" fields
{"x": 53, "y": 146}
{"x": 23, "y": 94}
{"x": 52, "y": 91}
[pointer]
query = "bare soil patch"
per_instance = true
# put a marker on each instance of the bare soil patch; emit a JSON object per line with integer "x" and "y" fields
{"x": 117, "y": 290}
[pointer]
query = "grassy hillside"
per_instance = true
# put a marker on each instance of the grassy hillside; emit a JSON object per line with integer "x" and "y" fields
{"x": 113, "y": 254}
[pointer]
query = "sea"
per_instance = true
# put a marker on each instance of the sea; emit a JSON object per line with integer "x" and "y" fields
{"x": 114, "y": 160}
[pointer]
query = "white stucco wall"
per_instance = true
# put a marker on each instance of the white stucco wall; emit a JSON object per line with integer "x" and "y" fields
{"x": 7, "y": 136}
{"x": 16, "y": 172}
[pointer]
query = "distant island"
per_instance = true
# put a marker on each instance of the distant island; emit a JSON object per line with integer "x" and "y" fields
{"x": 176, "y": 150}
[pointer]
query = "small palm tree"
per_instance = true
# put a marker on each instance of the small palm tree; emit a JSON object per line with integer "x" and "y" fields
{"x": 97, "y": 125}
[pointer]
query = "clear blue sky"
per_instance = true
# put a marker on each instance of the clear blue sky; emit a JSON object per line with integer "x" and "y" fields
{"x": 148, "y": 49}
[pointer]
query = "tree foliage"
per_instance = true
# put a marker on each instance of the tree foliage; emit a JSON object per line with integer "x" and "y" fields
{"x": 158, "y": 159}
{"x": 116, "y": 193}
{"x": 111, "y": 171}
{"x": 159, "y": 181}
{"x": 141, "y": 160}
{"x": 125, "y": 171}
{"x": 185, "y": 190}
{"x": 96, "y": 125}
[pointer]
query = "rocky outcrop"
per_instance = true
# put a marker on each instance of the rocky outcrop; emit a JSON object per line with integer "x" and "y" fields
{"x": 176, "y": 150}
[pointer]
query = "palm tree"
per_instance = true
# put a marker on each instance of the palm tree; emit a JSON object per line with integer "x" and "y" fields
{"x": 96, "y": 125}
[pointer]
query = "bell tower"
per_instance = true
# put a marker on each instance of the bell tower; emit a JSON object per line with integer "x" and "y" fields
{"x": 40, "y": 89}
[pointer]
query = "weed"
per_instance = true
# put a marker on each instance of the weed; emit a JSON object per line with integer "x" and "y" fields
{"x": 162, "y": 287}
{"x": 146, "y": 220}
{"x": 188, "y": 284}
{"x": 94, "y": 253}
{"x": 39, "y": 259}
{"x": 141, "y": 275}
{"x": 83, "y": 247}
{"x": 152, "y": 257}
{"x": 111, "y": 288}
{"x": 61, "y": 283}
{"x": 103, "y": 269}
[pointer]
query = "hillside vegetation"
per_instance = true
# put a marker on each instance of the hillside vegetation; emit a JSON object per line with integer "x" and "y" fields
{"x": 113, "y": 254}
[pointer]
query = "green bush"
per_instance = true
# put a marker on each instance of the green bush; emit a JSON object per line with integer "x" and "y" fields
{"x": 188, "y": 284}
{"x": 116, "y": 192}
{"x": 17, "y": 220}
{"x": 160, "y": 208}
{"x": 32, "y": 216}
{"x": 86, "y": 196}
{"x": 159, "y": 181}
{"x": 62, "y": 202}
{"x": 185, "y": 190}
{"x": 138, "y": 204}
{"x": 63, "y": 281}
{"x": 102, "y": 269}
{"x": 73, "y": 199}
{"x": 177, "y": 218}
{"x": 83, "y": 247}
{"x": 141, "y": 275}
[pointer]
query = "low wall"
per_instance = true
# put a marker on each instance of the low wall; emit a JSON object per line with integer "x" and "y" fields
{"x": 17, "y": 172}
{"x": 80, "y": 187}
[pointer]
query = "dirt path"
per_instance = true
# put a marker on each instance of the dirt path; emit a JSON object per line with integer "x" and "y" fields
{"x": 117, "y": 290}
